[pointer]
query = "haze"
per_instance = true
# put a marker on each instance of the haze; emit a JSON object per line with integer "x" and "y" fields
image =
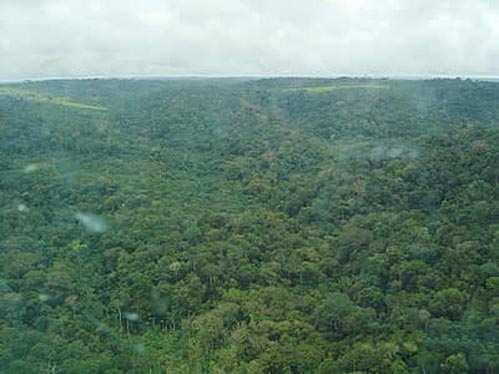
{"x": 54, "y": 38}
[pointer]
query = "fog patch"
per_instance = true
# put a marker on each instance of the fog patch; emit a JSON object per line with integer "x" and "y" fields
{"x": 384, "y": 151}
{"x": 374, "y": 150}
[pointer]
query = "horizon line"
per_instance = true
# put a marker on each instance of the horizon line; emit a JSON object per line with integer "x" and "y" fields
{"x": 253, "y": 76}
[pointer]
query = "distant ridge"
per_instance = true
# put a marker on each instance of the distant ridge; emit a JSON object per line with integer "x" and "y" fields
{"x": 254, "y": 77}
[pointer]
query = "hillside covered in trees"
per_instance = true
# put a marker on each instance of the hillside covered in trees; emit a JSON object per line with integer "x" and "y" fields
{"x": 274, "y": 226}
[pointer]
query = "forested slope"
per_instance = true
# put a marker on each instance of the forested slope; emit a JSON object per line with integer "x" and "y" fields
{"x": 262, "y": 226}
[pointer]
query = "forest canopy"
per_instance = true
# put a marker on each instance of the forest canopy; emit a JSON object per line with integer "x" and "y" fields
{"x": 280, "y": 226}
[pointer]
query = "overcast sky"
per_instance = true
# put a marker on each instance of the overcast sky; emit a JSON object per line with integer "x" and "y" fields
{"x": 75, "y": 38}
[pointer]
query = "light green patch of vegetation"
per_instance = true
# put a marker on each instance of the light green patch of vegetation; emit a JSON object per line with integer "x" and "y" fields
{"x": 322, "y": 89}
{"x": 40, "y": 98}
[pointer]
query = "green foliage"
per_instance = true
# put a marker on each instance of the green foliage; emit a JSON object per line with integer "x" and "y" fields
{"x": 277, "y": 226}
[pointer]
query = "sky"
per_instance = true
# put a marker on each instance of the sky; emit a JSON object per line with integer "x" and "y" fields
{"x": 115, "y": 38}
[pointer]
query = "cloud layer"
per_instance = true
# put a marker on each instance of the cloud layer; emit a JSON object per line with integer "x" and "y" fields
{"x": 60, "y": 38}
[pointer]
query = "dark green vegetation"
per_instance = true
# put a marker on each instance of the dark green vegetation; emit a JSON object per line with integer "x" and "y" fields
{"x": 250, "y": 227}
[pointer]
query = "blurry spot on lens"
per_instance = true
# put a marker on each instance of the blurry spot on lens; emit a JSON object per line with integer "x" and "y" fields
{"x": 132, "y": 316}
{"x": 92, "y": 223}
{"x": 22, "y": 208}
{"x": 30, "y": 168}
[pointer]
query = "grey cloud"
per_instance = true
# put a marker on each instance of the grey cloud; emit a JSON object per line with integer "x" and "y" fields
{"x": 50, "y": 38}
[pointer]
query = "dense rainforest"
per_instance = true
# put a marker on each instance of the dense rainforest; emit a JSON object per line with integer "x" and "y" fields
{"x": 272, "y": 226}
